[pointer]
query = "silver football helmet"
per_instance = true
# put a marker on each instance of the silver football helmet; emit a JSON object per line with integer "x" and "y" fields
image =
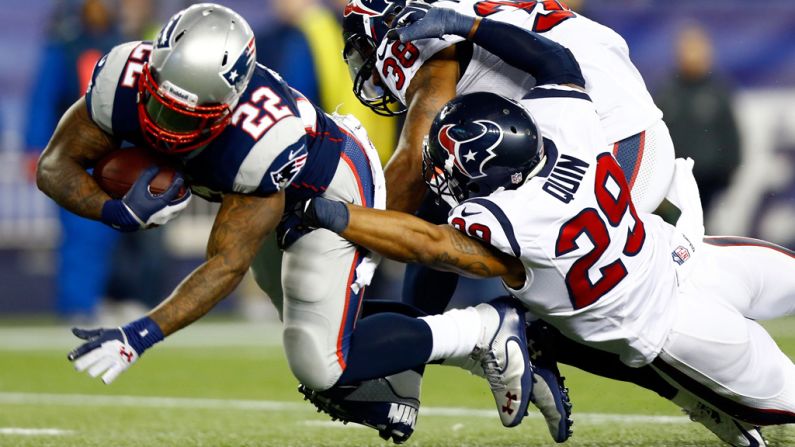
{"x": 201, "y": 62}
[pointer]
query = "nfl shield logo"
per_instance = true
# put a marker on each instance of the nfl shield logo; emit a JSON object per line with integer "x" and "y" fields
{"x": 516, "y": 178}
{"x": 680, "y": 255}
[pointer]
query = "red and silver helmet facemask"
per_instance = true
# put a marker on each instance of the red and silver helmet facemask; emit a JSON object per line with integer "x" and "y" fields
{"x": 176, "y": 126}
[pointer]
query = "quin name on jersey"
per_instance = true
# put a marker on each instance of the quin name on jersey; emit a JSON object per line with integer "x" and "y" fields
{"x": 578, "y": 235}
{"x": 276, "y": 140}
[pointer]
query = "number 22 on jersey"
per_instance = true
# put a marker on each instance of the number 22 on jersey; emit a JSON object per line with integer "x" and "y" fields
{"x": 256, "y": 120}
{"x": 613, "y": 199}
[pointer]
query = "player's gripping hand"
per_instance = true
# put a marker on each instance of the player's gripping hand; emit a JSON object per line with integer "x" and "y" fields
{"x": 422, "y": 21}
{"x": 111, "y": 351}
{"x": 140, "y": 209}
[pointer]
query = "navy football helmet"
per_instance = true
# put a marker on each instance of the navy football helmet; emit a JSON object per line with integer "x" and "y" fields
{"x": 479, "y": 143}
{"x": 364, "y": 26}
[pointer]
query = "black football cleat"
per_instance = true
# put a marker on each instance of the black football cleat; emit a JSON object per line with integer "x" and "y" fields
{"x": 389, "y": 405}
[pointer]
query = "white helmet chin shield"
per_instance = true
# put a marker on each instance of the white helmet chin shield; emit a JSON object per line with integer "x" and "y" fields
{"x": 201, "y": 62}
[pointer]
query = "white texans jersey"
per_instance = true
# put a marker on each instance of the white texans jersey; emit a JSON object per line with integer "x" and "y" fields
{"x": 593, "y": 264}
{"x": 624, "y": 105}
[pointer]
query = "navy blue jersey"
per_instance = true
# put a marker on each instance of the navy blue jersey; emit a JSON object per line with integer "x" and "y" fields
{"x": 276, "y": 140}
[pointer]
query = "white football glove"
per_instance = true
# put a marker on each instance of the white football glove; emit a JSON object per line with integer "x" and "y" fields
{"x": 105, "y": 351}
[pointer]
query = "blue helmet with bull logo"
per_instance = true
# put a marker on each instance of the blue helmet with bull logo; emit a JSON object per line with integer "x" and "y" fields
{"x": 364, "y": 25}
{"x": 479, "y": 143}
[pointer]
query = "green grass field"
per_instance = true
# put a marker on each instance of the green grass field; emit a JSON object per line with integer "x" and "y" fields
{"x": 228, "y": 384}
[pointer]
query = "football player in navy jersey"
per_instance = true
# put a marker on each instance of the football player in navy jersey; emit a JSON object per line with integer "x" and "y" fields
{"x": 243, "y": 137}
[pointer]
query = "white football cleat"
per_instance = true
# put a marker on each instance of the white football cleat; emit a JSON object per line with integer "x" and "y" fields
{"x": 502, "y": 353}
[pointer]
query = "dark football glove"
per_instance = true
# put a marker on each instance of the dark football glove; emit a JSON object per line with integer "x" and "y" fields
{"x": 140, "y": 209}
{"x": 422, "y": 21}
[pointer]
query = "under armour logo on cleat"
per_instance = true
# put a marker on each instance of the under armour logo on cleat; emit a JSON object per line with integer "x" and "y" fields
{"x": 508, "y": 408}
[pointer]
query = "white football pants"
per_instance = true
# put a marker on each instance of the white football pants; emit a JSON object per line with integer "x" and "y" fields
{"x": 717, "y": 353}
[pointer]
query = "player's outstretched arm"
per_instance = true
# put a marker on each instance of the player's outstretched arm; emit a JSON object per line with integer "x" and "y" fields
{"x": 430, "y": 89}
{"x": 242, "y": 224}
{"x": 406, "y": 238}
{"x": 546, "y": 60}
{"x": 61, "y": 171}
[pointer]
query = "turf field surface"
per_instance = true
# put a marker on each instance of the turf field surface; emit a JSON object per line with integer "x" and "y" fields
{"x": 227, "y": 384}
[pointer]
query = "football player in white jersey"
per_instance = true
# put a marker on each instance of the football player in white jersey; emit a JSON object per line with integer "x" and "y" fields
{"x": 575, "y": 251}
{"x": 506, "y": 40}
{"x": 243, "y": 137}
{"x": 418, "y": 77}
{"x": 722, "y": 426}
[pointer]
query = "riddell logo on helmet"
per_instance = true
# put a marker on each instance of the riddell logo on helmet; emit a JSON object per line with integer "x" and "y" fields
{"x": 172, "y": 91}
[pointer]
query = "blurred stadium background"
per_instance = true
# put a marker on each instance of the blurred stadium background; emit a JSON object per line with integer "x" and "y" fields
{"x": 754, "y": 53}
{"x": 754, "y": 50}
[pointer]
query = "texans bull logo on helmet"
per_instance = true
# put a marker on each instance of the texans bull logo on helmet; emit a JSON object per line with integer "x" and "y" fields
{"x": 470, "y": 145}
{"x": 359, "y": 7}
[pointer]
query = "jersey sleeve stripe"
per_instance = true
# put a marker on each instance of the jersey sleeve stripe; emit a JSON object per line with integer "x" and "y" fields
{"x": 101, "y": 96}
{"x": 736, "y": 241}
{"x": 629, "y": 153}
{"x": 538, "y": 93}
{"x": 551, "y": 152}
{"x": 258, "y": 161}
{"x": 505, "y": 223}
{"x": 355, "y": 156}
{"x": 90, "y": 90}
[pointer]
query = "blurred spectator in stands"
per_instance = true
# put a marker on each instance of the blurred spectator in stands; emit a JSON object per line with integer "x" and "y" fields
{"x": 304, "y": 44}
{"x": 696, "y": 104}
{"x": 137, "y": 19}
{"x": 576, "y": 6}
{"x": 75, "y": 42}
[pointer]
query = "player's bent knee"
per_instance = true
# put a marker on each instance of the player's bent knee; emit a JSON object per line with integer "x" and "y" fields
{"x": 312, "y": 362}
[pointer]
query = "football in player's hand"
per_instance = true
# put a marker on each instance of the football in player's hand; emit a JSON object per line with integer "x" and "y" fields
{"x": 116, "y": 172}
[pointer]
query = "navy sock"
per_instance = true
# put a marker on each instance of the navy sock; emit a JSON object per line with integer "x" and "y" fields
{"x": 424, "y": 288}
{"x": 372, "y": 307}
{"x": 385, "y": 344}
{"x": 428, "y": 289}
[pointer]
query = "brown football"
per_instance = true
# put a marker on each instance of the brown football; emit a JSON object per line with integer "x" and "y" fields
{"x": 116, "y": 172}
